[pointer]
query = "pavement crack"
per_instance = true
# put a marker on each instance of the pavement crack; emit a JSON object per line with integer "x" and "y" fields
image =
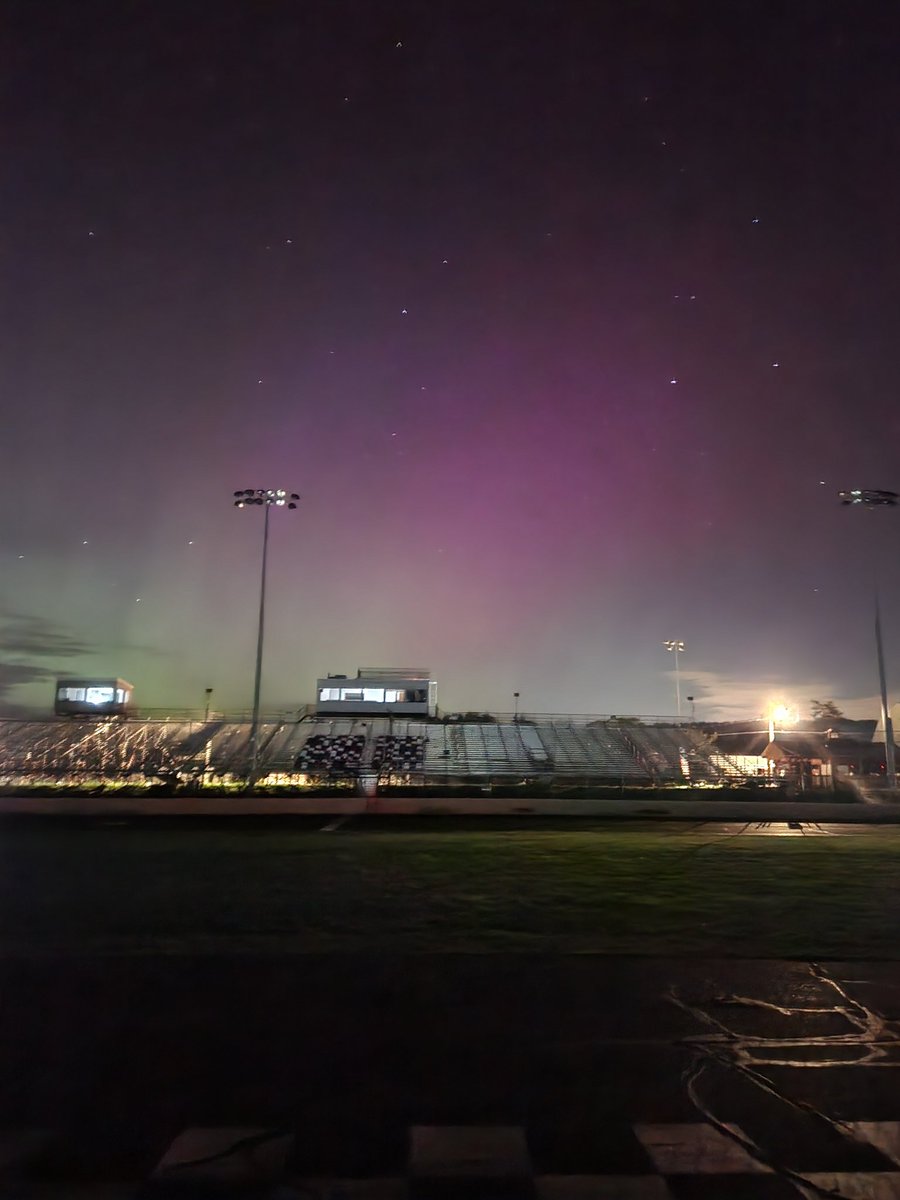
{"x": 752, "y": 1002}
{"x": 716, "y": 1043}
{"x": 691, "y": 1078}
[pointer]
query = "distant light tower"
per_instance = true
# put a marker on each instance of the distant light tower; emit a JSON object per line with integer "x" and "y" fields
{"x": 209, "y": 693}
{"x": 878, "y": 498}
{"x": 676, "y": 647}
{"x": 268, "y": 499}
{"x": 516, "y": 699}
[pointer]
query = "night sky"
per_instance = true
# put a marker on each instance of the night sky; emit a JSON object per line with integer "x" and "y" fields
{"x": 566, "y": 320}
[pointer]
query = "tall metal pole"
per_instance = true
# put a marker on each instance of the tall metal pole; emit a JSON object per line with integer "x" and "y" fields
{"x": 676, "y": 645}
{"x": 878, "y": 498}
{"x": 885, "y": 708}
{"x": 269, "y": 498}
{"x": 254, "y": 727}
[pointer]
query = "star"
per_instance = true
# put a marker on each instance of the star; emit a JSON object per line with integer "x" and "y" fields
{"x": 404, "y": 312}
{"x": 755, "y": 221}
{"x": 673, "y": 381}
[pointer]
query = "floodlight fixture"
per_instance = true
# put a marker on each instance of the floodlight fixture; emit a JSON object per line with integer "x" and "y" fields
{"x": 268, "y": 497}
{"x": 870, "y": 497}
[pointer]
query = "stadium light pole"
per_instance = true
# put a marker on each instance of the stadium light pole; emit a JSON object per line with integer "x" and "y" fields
{"x": 676, "y": 647}
{"x": 278, "y": 498}
{"x": 879, "y": 498}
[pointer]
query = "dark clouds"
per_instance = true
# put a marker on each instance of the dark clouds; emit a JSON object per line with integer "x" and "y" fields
{"x": 22, "y": 635}
{"x": 33, "y": 651}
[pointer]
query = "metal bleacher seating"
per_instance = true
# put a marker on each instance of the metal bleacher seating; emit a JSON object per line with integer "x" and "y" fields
{"x": 617, "y": 755}
{"x": 606, "y": 750}
{"x": 331, "y": 754}
{"x": 674, "y": 752}
{"x": 398, "y": 753}
{"x": 589, "y": 751}
{"x": 656, "y": 752}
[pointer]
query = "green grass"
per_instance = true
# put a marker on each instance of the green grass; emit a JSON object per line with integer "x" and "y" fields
{"x": 611, "y": 890}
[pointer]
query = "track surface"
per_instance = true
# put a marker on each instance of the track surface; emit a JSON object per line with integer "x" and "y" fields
{"x": 351, "y": 1050}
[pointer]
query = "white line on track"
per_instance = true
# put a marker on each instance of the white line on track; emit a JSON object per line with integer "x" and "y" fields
{"x": 333, "y": 826}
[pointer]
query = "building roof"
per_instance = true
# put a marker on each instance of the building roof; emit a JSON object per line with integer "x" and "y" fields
{"x": 787, "y": 744}
{"x": 751, "y": 742}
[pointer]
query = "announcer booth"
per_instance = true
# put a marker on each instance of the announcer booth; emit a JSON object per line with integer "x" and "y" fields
{"x": 92, "y": 697}
{"x": 378, "y": 692}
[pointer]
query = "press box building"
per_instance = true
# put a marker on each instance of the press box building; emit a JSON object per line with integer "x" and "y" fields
{"x": 378, "y": 692}
{"x": 92, "y": 697}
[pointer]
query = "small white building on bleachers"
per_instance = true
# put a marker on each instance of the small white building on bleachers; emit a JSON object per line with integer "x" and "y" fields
{"x": 378, "y": 692}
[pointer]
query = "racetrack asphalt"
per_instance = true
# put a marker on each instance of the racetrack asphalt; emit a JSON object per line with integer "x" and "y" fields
{"x": 351, "y": 1050}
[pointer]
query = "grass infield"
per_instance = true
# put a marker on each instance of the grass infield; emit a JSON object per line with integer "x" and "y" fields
{"x": 609, "y": 890}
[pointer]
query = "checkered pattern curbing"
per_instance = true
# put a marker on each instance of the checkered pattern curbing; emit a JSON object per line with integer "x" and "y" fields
{"x": 689, "y": 1161}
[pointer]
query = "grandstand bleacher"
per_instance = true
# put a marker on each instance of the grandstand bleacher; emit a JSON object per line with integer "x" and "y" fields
{"x": 341, "y": 750}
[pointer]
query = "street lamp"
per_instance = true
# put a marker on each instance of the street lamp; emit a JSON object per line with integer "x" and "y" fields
{"x": 268, "y": 499}
{"x": 879, "y": 498}
{"x": 676, "y": 647}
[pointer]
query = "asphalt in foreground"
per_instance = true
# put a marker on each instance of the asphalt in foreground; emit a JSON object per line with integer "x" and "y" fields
{"x": 350, "y": 1050}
